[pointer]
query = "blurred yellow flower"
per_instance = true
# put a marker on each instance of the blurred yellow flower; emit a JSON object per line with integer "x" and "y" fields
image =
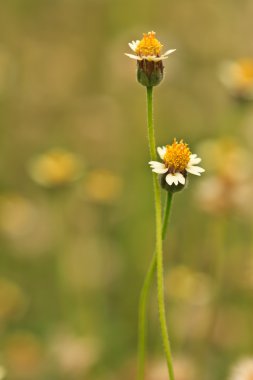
{"x": 103, "y": 186}
{"x": 55, "y": 168}
{"x": 237, "y": 77}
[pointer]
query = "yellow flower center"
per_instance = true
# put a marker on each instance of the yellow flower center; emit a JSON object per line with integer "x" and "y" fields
{"x": 149, "y": 45}
{"x": 177, "y": 156}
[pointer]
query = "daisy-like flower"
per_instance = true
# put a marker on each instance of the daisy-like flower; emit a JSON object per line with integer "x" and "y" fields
{"x": 149, "y": 48}
{"x": 149, "y": 59}
{"x": 177, "y": 162}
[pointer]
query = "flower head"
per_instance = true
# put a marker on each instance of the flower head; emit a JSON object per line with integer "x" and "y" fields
{"x": 177, "y": 162}
{"x": 149, "y": 59}
{"x": 149, "y": 48}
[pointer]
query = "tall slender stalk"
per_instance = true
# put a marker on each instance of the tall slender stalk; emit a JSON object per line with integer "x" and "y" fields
{"x": 144, "y": 295}
{"x": 157, "y": 260}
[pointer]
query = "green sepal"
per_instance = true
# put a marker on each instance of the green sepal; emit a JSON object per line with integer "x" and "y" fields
{"x": 149, "y": 73}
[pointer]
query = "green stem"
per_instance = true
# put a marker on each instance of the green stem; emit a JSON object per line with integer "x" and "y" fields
{"x": 157, "y": 260}
{"x": 151, "y": 131}
{"x": 142, "y": 318}
{"x": 166, "y": 214}
{"x": 160, "y": 280}
{"x": 144, "y": 295}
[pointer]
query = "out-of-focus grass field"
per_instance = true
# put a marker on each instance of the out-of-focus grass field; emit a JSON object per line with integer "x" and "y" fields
{"x": 76, "y": 201}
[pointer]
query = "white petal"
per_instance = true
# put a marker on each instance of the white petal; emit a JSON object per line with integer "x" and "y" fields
{"x": 194, "y": 161}
{"x": 133, "y": 44}
{"x": 161, "y": 151}
{"x": 180, "y": 177}
{"x": 156, "y": 164}
{"x": 159, "y": 170}
{"x": 196, "y": 170}
{"x": 199, "y": 169}
{"x": 170, "y": 179}
{"x": 136, "y": 57}
{"x": 194, "y": 158}
{"x": 169, "y": 52}
{"x": 158, "y": 167}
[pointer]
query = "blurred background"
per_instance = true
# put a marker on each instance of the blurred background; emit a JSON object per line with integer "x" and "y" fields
{"x": 76, "y": 200}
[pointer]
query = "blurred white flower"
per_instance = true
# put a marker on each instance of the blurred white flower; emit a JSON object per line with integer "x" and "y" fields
{"x": 243, "y": 370}
{"x": 74, "y": 354}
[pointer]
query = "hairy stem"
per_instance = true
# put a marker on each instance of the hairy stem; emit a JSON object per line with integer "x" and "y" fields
{"x": 157, "y": 261}
{"x": 145, "y": 292}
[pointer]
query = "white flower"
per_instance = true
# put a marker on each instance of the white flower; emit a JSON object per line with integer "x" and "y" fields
{"x": 177, "y": 161}
{"x": 149, "y": 48}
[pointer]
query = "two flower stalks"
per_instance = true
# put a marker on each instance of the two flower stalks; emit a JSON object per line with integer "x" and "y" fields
{"x": 177, "y": 162}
